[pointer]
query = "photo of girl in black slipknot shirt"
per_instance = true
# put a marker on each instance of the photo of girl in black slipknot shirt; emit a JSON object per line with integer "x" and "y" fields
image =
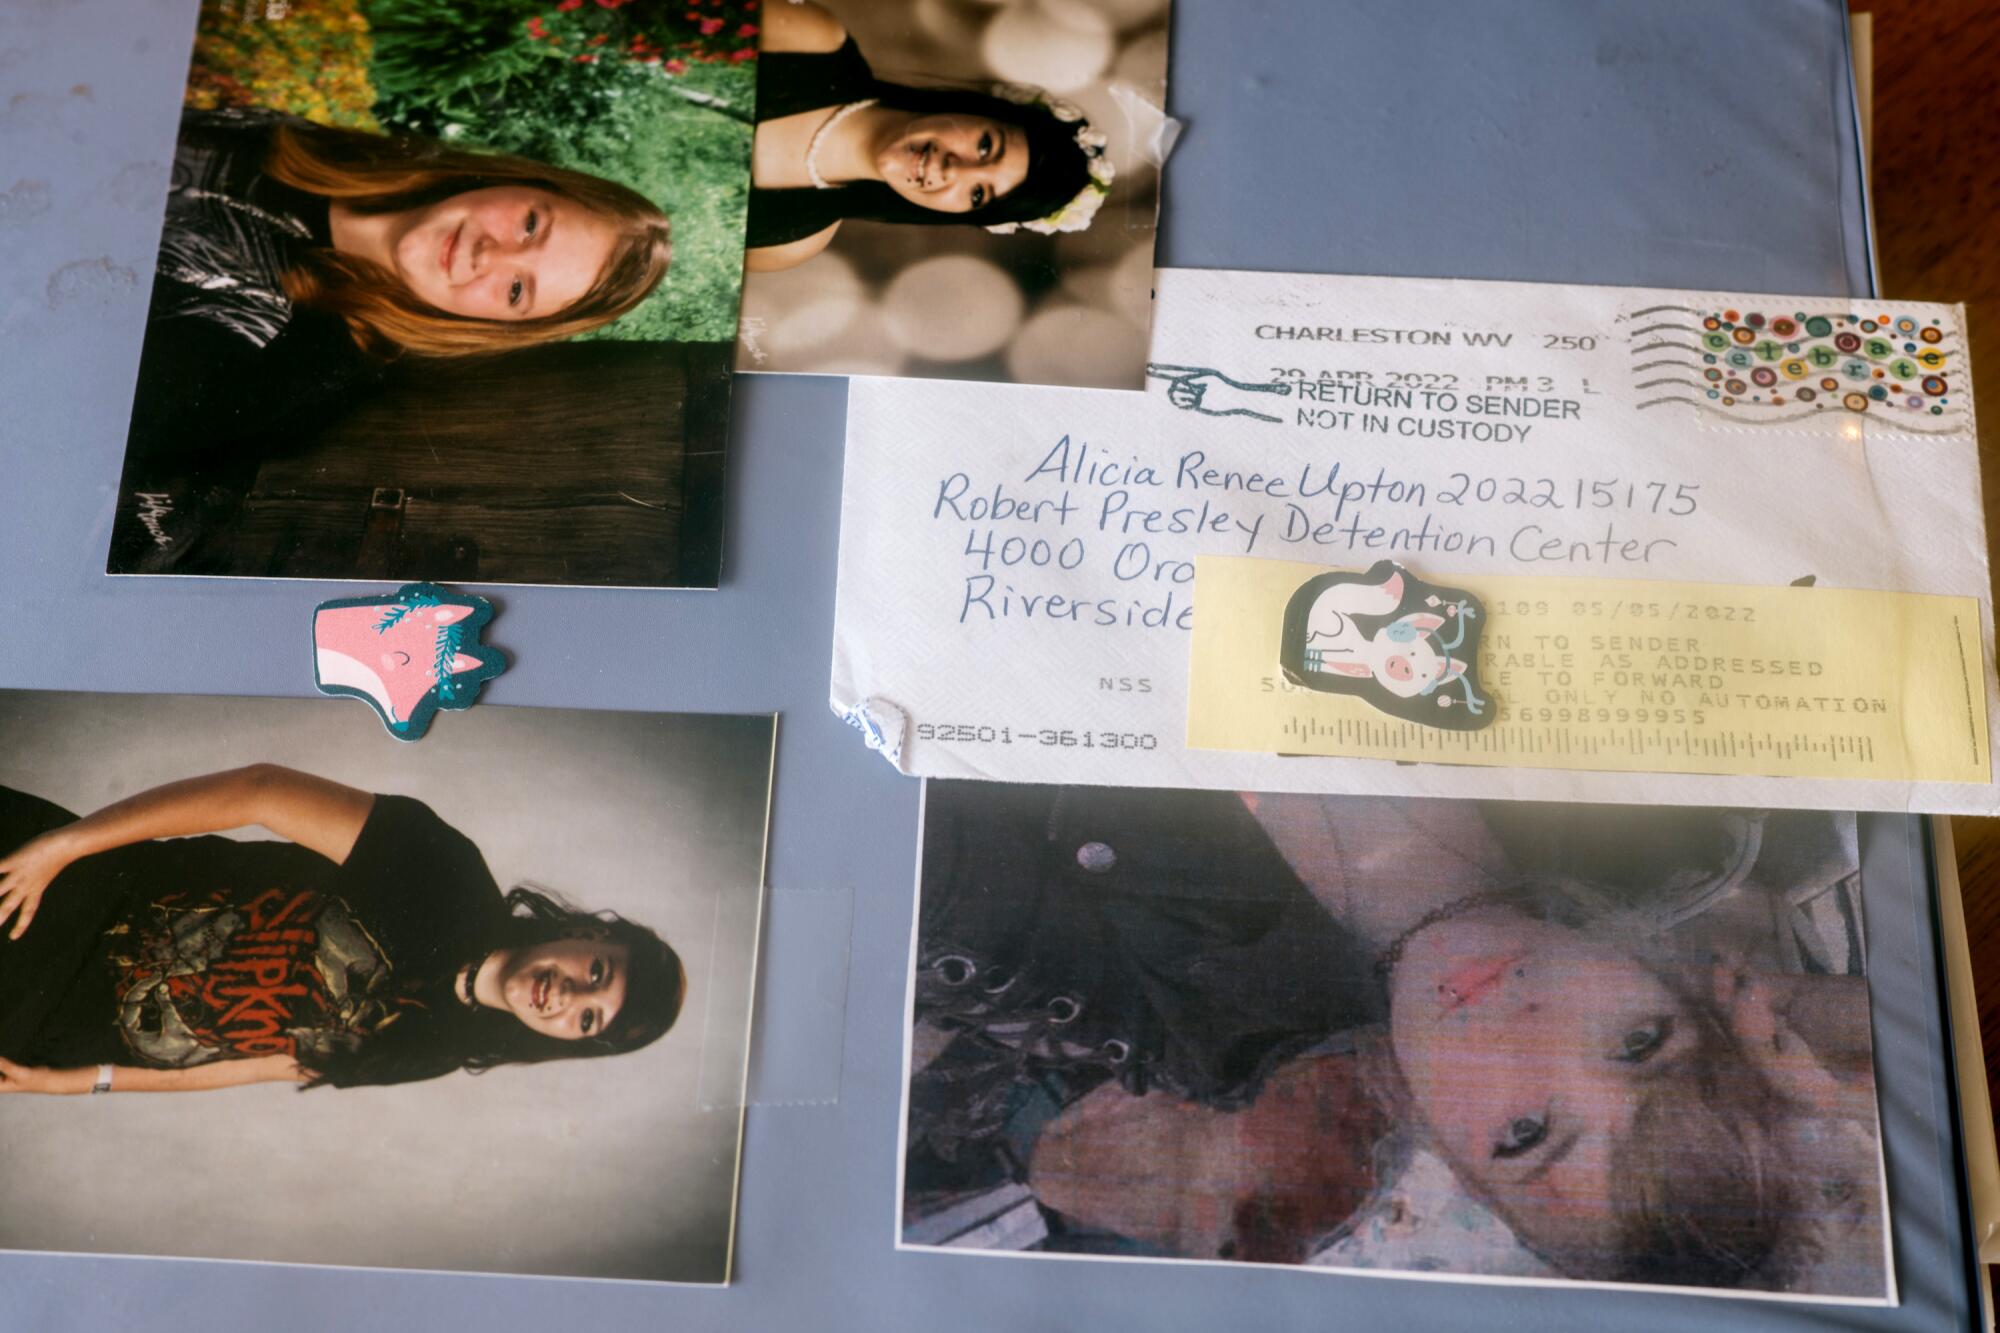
{"x": 370, "y": 946}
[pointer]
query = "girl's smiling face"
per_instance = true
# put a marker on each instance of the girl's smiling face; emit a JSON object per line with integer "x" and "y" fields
{"x": 1527, "y": 1048}
{"x": 953, "y": 163}
{"x": 569, "y": 988}
{"x": 504, "y": 252}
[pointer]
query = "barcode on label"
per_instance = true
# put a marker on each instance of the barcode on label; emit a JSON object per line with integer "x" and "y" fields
{"x": 1530, "y": 741}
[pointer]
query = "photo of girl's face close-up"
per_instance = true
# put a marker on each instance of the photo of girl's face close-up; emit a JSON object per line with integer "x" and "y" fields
{"x": 954, "y": 163}
{"x": 570, "y": 989}
{"x": 1373, "y": 1035}
{"x": 1527, "y": 1049}
{"x": 501, "y": 252}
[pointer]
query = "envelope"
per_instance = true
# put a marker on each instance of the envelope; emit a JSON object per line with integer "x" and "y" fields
{"x": 1016, "y": 583}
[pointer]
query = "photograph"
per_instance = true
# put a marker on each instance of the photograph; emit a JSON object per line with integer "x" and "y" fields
{"x": 275, "y": 987}
{"x": 1497, "y": 1041}
{"x": 446, "y": 289}
{"x": 956, "y": 189}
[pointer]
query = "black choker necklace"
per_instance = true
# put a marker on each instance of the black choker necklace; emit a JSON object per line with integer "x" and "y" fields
{"x": 1386, "y": 963}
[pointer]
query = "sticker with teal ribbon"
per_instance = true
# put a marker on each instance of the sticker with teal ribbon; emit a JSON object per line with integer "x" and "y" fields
{"x": 1408, "y": 647}
{"x": 406, "y": 655}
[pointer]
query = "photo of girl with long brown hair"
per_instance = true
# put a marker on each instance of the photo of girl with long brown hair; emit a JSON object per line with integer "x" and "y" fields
{"x": 956, "y": 189}
{"x": 275, "y": 988}
{"x": 369, "y": 947}
{"x": 835, "y": 142}
{"x": 299, "y": 261}
{"x": 334, "y": 292}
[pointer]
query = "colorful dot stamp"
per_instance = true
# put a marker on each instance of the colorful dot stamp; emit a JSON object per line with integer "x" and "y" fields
{"x": 1874, "y": 364}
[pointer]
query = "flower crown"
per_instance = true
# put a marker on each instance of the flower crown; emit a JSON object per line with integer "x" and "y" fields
{"x": 1075, "y": 215}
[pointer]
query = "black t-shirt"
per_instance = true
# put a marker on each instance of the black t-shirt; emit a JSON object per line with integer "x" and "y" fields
{"x": 1154, "y": 935}
{"x": 210, "y": 949}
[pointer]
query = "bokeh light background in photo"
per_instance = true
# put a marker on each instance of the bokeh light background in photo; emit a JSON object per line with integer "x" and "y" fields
{"x": 960, "y": 302}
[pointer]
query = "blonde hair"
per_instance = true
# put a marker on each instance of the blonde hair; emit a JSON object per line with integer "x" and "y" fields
{"x": 374, "y": 173}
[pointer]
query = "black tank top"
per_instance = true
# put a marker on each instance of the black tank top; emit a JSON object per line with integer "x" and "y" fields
{"x": 788, "y": 83}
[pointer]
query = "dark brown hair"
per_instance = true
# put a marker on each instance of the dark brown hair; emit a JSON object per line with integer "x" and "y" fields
{"x": 1704, "y": 1193}
{"x": 427, "y": 1041}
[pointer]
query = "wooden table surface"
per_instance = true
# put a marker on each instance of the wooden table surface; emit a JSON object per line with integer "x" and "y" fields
{"x": 1935, "y": 176}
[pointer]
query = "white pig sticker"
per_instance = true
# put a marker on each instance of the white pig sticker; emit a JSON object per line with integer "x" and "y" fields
{"x": 1406, "y": 646}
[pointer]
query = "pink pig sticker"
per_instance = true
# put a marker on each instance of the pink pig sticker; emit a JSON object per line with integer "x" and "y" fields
{"x": 407, "y": 655}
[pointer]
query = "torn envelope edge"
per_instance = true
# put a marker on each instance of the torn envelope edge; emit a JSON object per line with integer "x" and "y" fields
{"x": 882, "y": 725}
{"x": 889, "y": 728}
{"x": 1229, "y": 771}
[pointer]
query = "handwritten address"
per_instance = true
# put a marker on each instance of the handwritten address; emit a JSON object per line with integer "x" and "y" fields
{"x": 1135, "y": 525}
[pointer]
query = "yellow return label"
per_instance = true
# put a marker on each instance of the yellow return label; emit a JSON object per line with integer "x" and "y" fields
{"x": 1628, "y": 676}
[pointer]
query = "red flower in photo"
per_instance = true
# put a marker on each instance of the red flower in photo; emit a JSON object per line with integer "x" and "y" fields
{"x": 669, "y": 35}
{"x": 586, "y": 60}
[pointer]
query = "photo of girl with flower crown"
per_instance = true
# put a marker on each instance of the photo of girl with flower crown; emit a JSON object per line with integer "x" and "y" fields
{"x": 1492, "y": 1040}
{"x": 446, "y": 289}
{"x": 953, "y": 189}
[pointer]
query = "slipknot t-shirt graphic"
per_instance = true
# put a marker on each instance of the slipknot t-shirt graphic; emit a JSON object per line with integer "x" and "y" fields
{"x": 210, "y": 948}
{"x": 178, "y": 952}
{"x": 287, "y": 972}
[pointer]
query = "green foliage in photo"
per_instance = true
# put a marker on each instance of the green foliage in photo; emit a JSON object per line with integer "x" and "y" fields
{"x": 313, "y": 64}
{"x": 677, "y": 130}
